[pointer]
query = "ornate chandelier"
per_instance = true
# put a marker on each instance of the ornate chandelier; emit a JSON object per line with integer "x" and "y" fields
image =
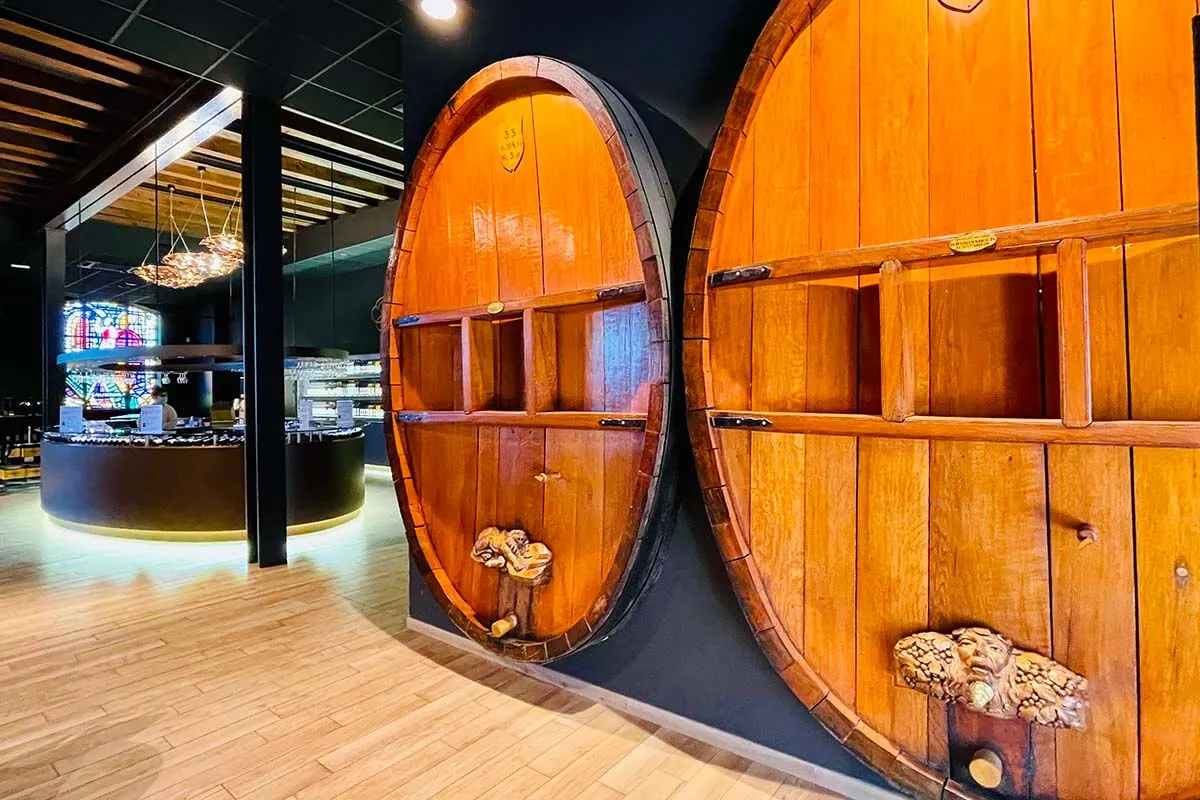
{"x": 184, "y": 269}
{"x": 227, "y": 245}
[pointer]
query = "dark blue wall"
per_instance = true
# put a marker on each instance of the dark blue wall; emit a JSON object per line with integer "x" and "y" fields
{"x": 687, "y": 648}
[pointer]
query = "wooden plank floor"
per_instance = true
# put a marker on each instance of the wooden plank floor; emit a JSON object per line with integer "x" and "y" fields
{"x": 154, "y": 671}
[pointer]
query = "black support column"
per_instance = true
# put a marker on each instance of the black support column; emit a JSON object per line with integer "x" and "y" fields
{"x": 54, "y": 273}
{"x": 262, "y": 331}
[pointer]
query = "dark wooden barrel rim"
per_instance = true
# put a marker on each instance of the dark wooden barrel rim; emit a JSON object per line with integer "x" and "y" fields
{"x": 874, "y": 749}
{"x": 650, "y": 204}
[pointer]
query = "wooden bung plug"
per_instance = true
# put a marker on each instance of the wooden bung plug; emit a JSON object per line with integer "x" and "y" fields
{"x": 503, "y": 627}
{"x": 986, "y": 769}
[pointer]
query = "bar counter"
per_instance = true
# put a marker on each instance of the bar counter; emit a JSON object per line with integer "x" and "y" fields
{"x": 190, "y": 486}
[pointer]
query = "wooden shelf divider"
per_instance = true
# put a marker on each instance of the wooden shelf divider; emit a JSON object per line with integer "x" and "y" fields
{"x": 478, "y": 364}
{"x": 541, "y": 361}
{"x": 624, "y": 293}
{"x": 1074, "y": 337}
{"x": 940, "y": 251}
{"x": 580, "y": 420}
{"x": 898, "y": 369}
{"x": 1124, "y": 433}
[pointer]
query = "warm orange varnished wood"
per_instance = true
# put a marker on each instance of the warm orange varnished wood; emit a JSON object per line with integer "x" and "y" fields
{"x": 1023, "y": 429}
{"x": 1092, "y": 598}
{"x": 529, "y": 316}
{"x": 984, "y": 352}
{"x": 898, "y": 374}
{"x": 831, "y": 374}
{"x": 1017, "y": 431}
{"x": 1074, "y": 334}
{"x": 575, "y": 297}
{"x": 479, "y": 364}
{"x": 1158, "y": 164}
{"x": 541, "y": 361}
{"x": 1011, "y": 242}
{"x": 779, "y": 324}
{"x": 893, "y": 498}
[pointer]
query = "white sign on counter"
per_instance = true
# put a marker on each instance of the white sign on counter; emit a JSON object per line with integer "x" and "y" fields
{"x": 345, "y": 413}
{"x": 304, "y": 414}
{"x": 70, "y": 419}
{"x": 150, "y": 419}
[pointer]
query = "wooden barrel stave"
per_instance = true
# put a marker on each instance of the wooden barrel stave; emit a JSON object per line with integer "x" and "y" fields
{"x": 951, "y": 116}
{"x": 563, "y": 236}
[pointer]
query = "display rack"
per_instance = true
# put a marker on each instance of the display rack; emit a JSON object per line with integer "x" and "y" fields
{"x": 20, "y": 450}
{"x": 360, "y": 382}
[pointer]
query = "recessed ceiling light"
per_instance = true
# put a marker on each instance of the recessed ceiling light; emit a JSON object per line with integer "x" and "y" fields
{"x": 440, "y": 9}
{"x": 21, "y": 266}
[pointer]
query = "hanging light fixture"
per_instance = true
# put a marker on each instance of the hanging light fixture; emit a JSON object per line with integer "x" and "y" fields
{"x": 227, "y": 244}
{"x": 175, "y": 272}
{"x": 182, "y": 269}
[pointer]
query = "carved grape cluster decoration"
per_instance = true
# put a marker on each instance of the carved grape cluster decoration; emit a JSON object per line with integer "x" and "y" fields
{"x": 981, "y": 670}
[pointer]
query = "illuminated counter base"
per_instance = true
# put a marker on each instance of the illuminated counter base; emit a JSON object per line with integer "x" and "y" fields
{"x": 193, "y": 494}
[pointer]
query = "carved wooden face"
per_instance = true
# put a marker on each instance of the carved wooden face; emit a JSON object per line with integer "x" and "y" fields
{"x": 983, "y": 652}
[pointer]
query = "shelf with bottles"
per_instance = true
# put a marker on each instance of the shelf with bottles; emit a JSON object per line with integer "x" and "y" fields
{"x": 358, "y": 380}
{"x": 372, "y": 393}
{"x": 365, "y": 414}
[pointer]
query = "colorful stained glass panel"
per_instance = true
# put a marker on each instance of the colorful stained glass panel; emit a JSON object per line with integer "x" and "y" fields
{"x": 104, "y": 326}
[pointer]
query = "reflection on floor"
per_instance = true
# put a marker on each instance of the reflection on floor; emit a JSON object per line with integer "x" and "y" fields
{"x": 152, "y": 671}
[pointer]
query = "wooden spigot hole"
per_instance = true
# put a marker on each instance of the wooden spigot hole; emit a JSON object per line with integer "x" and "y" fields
{"x": 986, "y": 769}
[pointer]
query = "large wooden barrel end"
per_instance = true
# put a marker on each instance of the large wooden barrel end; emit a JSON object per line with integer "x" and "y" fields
{"x": 527, "y": 358}
{"x": 941, "y": 328}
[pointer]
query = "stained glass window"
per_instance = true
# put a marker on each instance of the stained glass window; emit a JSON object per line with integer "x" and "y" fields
{"x": 104, "y": 326}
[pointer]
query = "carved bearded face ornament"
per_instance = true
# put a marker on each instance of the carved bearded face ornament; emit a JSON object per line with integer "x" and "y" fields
{"x": 984, "y": 657}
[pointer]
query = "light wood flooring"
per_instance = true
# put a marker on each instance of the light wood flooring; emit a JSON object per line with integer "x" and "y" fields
{"x": 154, "y": 671}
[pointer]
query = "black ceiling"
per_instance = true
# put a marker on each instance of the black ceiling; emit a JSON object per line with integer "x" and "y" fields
{"x": 338, "y": 60}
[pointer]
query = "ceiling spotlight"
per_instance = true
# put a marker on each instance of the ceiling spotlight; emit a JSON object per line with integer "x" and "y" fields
{"x": 440, "y": 9}
{"x": 20, "y": 266}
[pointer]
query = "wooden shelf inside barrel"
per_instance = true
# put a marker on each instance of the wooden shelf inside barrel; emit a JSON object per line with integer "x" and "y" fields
{"x": 941, "y": 332}
{"x": 579, "y": 420}
{"x": 527, "y": 361}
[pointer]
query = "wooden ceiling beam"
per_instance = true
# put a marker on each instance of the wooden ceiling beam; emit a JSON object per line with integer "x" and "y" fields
{"x": 17, "y": 96}
{"x": 338, "y": 138}
{"x": 29, "y": 145}
{"x": 312, "y": 169}
{"x": 61, "y": 60}
{"x": 42, "y": 114}
{"x": 189, "y": 194}
{"x": 218, "y": 161}
{"x": 230, "y": 180}
{"x": 10, "y": 121}
{"x": 45, "y": 63}
{"x": 17, "y": 182}
{"x": 137, "y": 214}
{"x": 230, "y": 190}
{"x": 73, "y": 92}
{"x": 187, "y": 208}
{"x": 22, "y": 172}
{"x": 74, "y": 48}
{"x": 33, "y": 161}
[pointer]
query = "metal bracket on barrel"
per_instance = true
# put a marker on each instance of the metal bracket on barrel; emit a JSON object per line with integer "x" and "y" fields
{"x": 618, "y": 291}
{"x": 409, "y": 417}
{"x": 613, "y": 422}
{"x": 740, "y": 422}
{"x": 741, "y": 275}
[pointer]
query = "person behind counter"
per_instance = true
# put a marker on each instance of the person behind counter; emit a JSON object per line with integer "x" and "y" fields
{"x": 170, "y": 416}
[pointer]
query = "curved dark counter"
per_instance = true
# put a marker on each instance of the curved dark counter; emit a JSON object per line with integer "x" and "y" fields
{"x": 181, "y": 487}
